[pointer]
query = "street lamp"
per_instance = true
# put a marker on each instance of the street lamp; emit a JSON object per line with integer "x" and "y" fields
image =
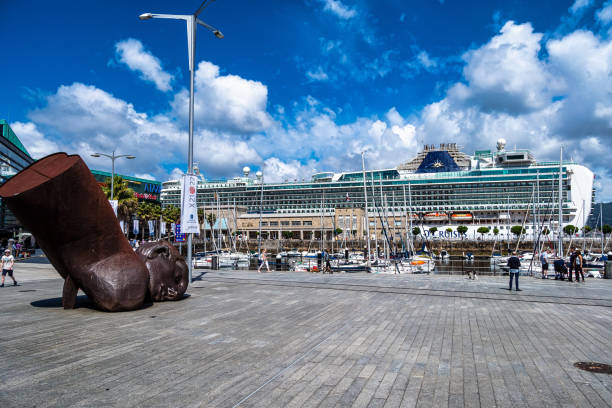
{"x": 113, "y": 157}
{"x": 259, "y": 175}
{"x": 191, "y": 20}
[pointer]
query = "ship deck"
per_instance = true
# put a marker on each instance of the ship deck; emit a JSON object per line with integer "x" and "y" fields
{"x": 307, "y": 340}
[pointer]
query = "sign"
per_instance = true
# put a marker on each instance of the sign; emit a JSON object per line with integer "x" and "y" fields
{"x": 178, "y": 237}
{"x": 146, "y": 196}
{"x": 189, "y": 207}
{"x": 135, "y": 227}
{"x": 152, "y": 188}
{"x": 151, "y": 228}
{"x": 162, "y": 228}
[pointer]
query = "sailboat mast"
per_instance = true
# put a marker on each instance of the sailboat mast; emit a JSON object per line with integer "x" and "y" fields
{"x": 365, "y": 196}
{"x": 559, "y": 229}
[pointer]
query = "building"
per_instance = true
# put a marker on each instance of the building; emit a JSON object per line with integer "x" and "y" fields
{"x": 13, "y": 158}
{"x": 442, "y": 187}
{"x": 144, "y": 190}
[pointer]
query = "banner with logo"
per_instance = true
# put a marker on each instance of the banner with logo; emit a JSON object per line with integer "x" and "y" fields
{"x": 114, "y": 204}
{"x": 189, "y": 206}
{"x": 122, "y": 226}
{"x": 136, "y": 227}
{"x": 172, "y": 227}
{"x": 151, "y": 228}
{"x": 162, "y": 228}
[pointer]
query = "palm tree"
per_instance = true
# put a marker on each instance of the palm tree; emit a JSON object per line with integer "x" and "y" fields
{"x": 148, "y": 211}
{"x": 126, "y": 200}
{"x": 211, "y": 218}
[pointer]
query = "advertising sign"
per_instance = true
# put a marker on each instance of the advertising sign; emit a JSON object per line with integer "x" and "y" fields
{"x": 135, "y": 227}
{"x": 151, "y": 228}
{"x": 178, "y": 237}
{"x": 189, "y": 207}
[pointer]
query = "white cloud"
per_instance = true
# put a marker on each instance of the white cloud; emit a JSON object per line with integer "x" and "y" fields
{"x": 338, "y": 8}
{"x": 35, "y": 142}
{"x": 278, "y": 171}
{"x": 225, "y": 102}
{"x": 317, "y": 75}
{"x": 604, "y": 15}
{"x": 145, "y": 176}
{"x": 580, "y": 5}
{"x": 131, "y": 52}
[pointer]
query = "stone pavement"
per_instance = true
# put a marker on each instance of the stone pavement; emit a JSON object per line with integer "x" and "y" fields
{"x": 302, "y": 340}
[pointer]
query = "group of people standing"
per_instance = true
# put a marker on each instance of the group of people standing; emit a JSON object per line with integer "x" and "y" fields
{"x": 562, "y": 268}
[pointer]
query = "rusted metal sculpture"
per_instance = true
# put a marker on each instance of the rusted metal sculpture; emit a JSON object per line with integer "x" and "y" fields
{"x": 168, "y": 273}
{"x": 58, "y": 200}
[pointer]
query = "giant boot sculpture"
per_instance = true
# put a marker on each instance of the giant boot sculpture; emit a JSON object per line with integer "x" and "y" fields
{"x": 58, "y": 200}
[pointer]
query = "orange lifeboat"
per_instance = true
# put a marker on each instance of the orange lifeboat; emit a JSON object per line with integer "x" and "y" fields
{"x": 435, "y": 216}
{"x": 462, "y": 216}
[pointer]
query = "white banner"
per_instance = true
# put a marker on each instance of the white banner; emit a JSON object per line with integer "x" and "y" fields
{"x": 122, "y": 226}
{"x": 189, "y": 207}
{"x": 162, "y": 228}
{"x": 135, "y": 227}
{"x": 172, "y": 228}
{"x": 151, "y": 228}
{"x": 114, "y": 204}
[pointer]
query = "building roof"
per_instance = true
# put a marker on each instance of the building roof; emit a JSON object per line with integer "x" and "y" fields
{"x": 134, "y": 179}
{"x": 8, "y": 134}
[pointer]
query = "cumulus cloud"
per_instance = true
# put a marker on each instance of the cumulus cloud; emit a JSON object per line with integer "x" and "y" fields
{"x": 604, "y": 15}
{"x": 132, "y": 53}
{"x": 225, "y": 102}
{"x": 145, "y": 176}
{"x": 36, "y": 144}
{"x": 339, "y": 9}
{"x": 580, "y": 5}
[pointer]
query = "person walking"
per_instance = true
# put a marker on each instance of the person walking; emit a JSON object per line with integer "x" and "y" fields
{"x": 514, "y": 263}
{"x": 544, "y": 261}
{"x": 7, "y": 267}
{"x": 578, "y": 262}
{"x": 264, "y": 260}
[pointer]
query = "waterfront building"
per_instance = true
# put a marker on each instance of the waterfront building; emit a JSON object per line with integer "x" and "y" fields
{"x": 144, "y": 189}
{"x": 13, "y": 158}
{"x": 441, "y": 187}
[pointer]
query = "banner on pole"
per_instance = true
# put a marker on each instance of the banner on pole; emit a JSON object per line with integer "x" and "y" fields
{"x": 162, "y": 228}
{"x": 122, "y": 226}
{"x": 115, "y": 205}
{"x": 135, "y": 227}
{"x": 151, "y": 228}
{"x": 189, "y": 207}
{"x": 178, "y": 237}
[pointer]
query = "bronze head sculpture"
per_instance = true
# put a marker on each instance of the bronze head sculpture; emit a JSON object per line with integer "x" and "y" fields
{"x": 58, "y": 200}
{"x": 168, "y": 273}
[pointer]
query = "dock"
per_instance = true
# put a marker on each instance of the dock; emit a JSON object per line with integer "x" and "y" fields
{"x": 287, "y": 339}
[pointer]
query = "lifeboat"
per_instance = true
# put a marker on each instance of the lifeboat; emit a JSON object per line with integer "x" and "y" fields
{"x": 462, "y": 216}
{"x": 417, "y": 262}
{"x": 435, "y": 216}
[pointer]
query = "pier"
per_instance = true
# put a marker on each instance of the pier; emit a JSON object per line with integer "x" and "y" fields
{"x": 285, "y": 339}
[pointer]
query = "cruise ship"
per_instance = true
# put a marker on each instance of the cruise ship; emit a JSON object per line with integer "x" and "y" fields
{"x": 441, "y": 187}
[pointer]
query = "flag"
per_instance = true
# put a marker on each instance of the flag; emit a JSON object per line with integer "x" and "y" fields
{"x": 189, "y": 208}
{"x": 135, "y": 227}
{"x": 173, "y": 227}
{"x": 122, "y": 226}
{"x": 162, "y": 228}
{"x": 151, "y": 228}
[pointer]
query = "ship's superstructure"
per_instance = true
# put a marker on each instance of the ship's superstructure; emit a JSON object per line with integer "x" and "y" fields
{"x": 441, "y": 187}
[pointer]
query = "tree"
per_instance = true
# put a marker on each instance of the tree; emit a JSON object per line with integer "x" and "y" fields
{"x": 483, "y": 230}
{"x": 606, "y": 229}
{"x": 517, "y": 230}
{"x": 338, "y": 231}
{"x": 587, "y": 229}
{"x": 462, "y": 229}
{"x": 433, "y": 230}
{"x": 171, "y": 214}
{"x": 211, "y": 218}
{"x": 569, "y": 229}
{"x": 147, "y": 211}
{"x": 449, "y": 230}
{"x": 495, "y": 231}
{"x": 416, "y": 231}
{"x": 126, "y": 200}
{"x": 287, "y": 234}
{"x": 545, "y": 231}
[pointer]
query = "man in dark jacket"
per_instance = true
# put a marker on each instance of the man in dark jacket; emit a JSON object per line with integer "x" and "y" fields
{"x": 514, "y": 263}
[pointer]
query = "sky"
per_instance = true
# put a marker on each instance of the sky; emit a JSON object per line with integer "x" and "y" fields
{"x": 303, "y": 86}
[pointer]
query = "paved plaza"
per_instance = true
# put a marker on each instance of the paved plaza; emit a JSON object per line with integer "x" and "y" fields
{"x": 301, "y": 340}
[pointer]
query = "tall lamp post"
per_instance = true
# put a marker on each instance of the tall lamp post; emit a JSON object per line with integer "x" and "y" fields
{"x": 113, "y": 157}
{"x": 191, "y": 20}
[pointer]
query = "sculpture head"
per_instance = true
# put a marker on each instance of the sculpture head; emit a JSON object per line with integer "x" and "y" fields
{"x": 168, "y": 272}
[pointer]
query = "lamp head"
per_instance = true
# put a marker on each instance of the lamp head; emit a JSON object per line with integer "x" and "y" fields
{"x": 145, "y": 16}
{"x": 95, "y": 155}
{"x": 130, "y": 157}
{"x": 259, "y": 174}
{"x": 218, "y": 34}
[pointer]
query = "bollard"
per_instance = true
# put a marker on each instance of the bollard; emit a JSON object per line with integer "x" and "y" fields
{"x": 608, "y": 271}
{"x": 214, "y": 262}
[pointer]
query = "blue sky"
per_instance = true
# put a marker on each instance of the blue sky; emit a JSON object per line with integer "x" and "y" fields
{"x": 305, "y": 85}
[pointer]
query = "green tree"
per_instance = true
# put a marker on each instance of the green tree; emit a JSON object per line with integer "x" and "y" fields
{"x": 338, "y": 231}
{"x": 287, "y": 234}
{"x": 606, "y": 229}
{"x": 449, "y": 230}
{"x": 171, "y": 214}
{"x": 126, "y": 200}
{"x": 462, "y": 229}
{"x": 495, "y": 231}
{"x": 483, "y": 230}
{"x": 416, "y": 231}
{"x": 517, "y": 230}
{"x": 587, "y": 229}
{"x": 433, "y": 230}
{"x": 147, "y": 211}
{"x": 211, "y": 218}
{"x": 569, "y": 229}
{"x": 545, "y": 231}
